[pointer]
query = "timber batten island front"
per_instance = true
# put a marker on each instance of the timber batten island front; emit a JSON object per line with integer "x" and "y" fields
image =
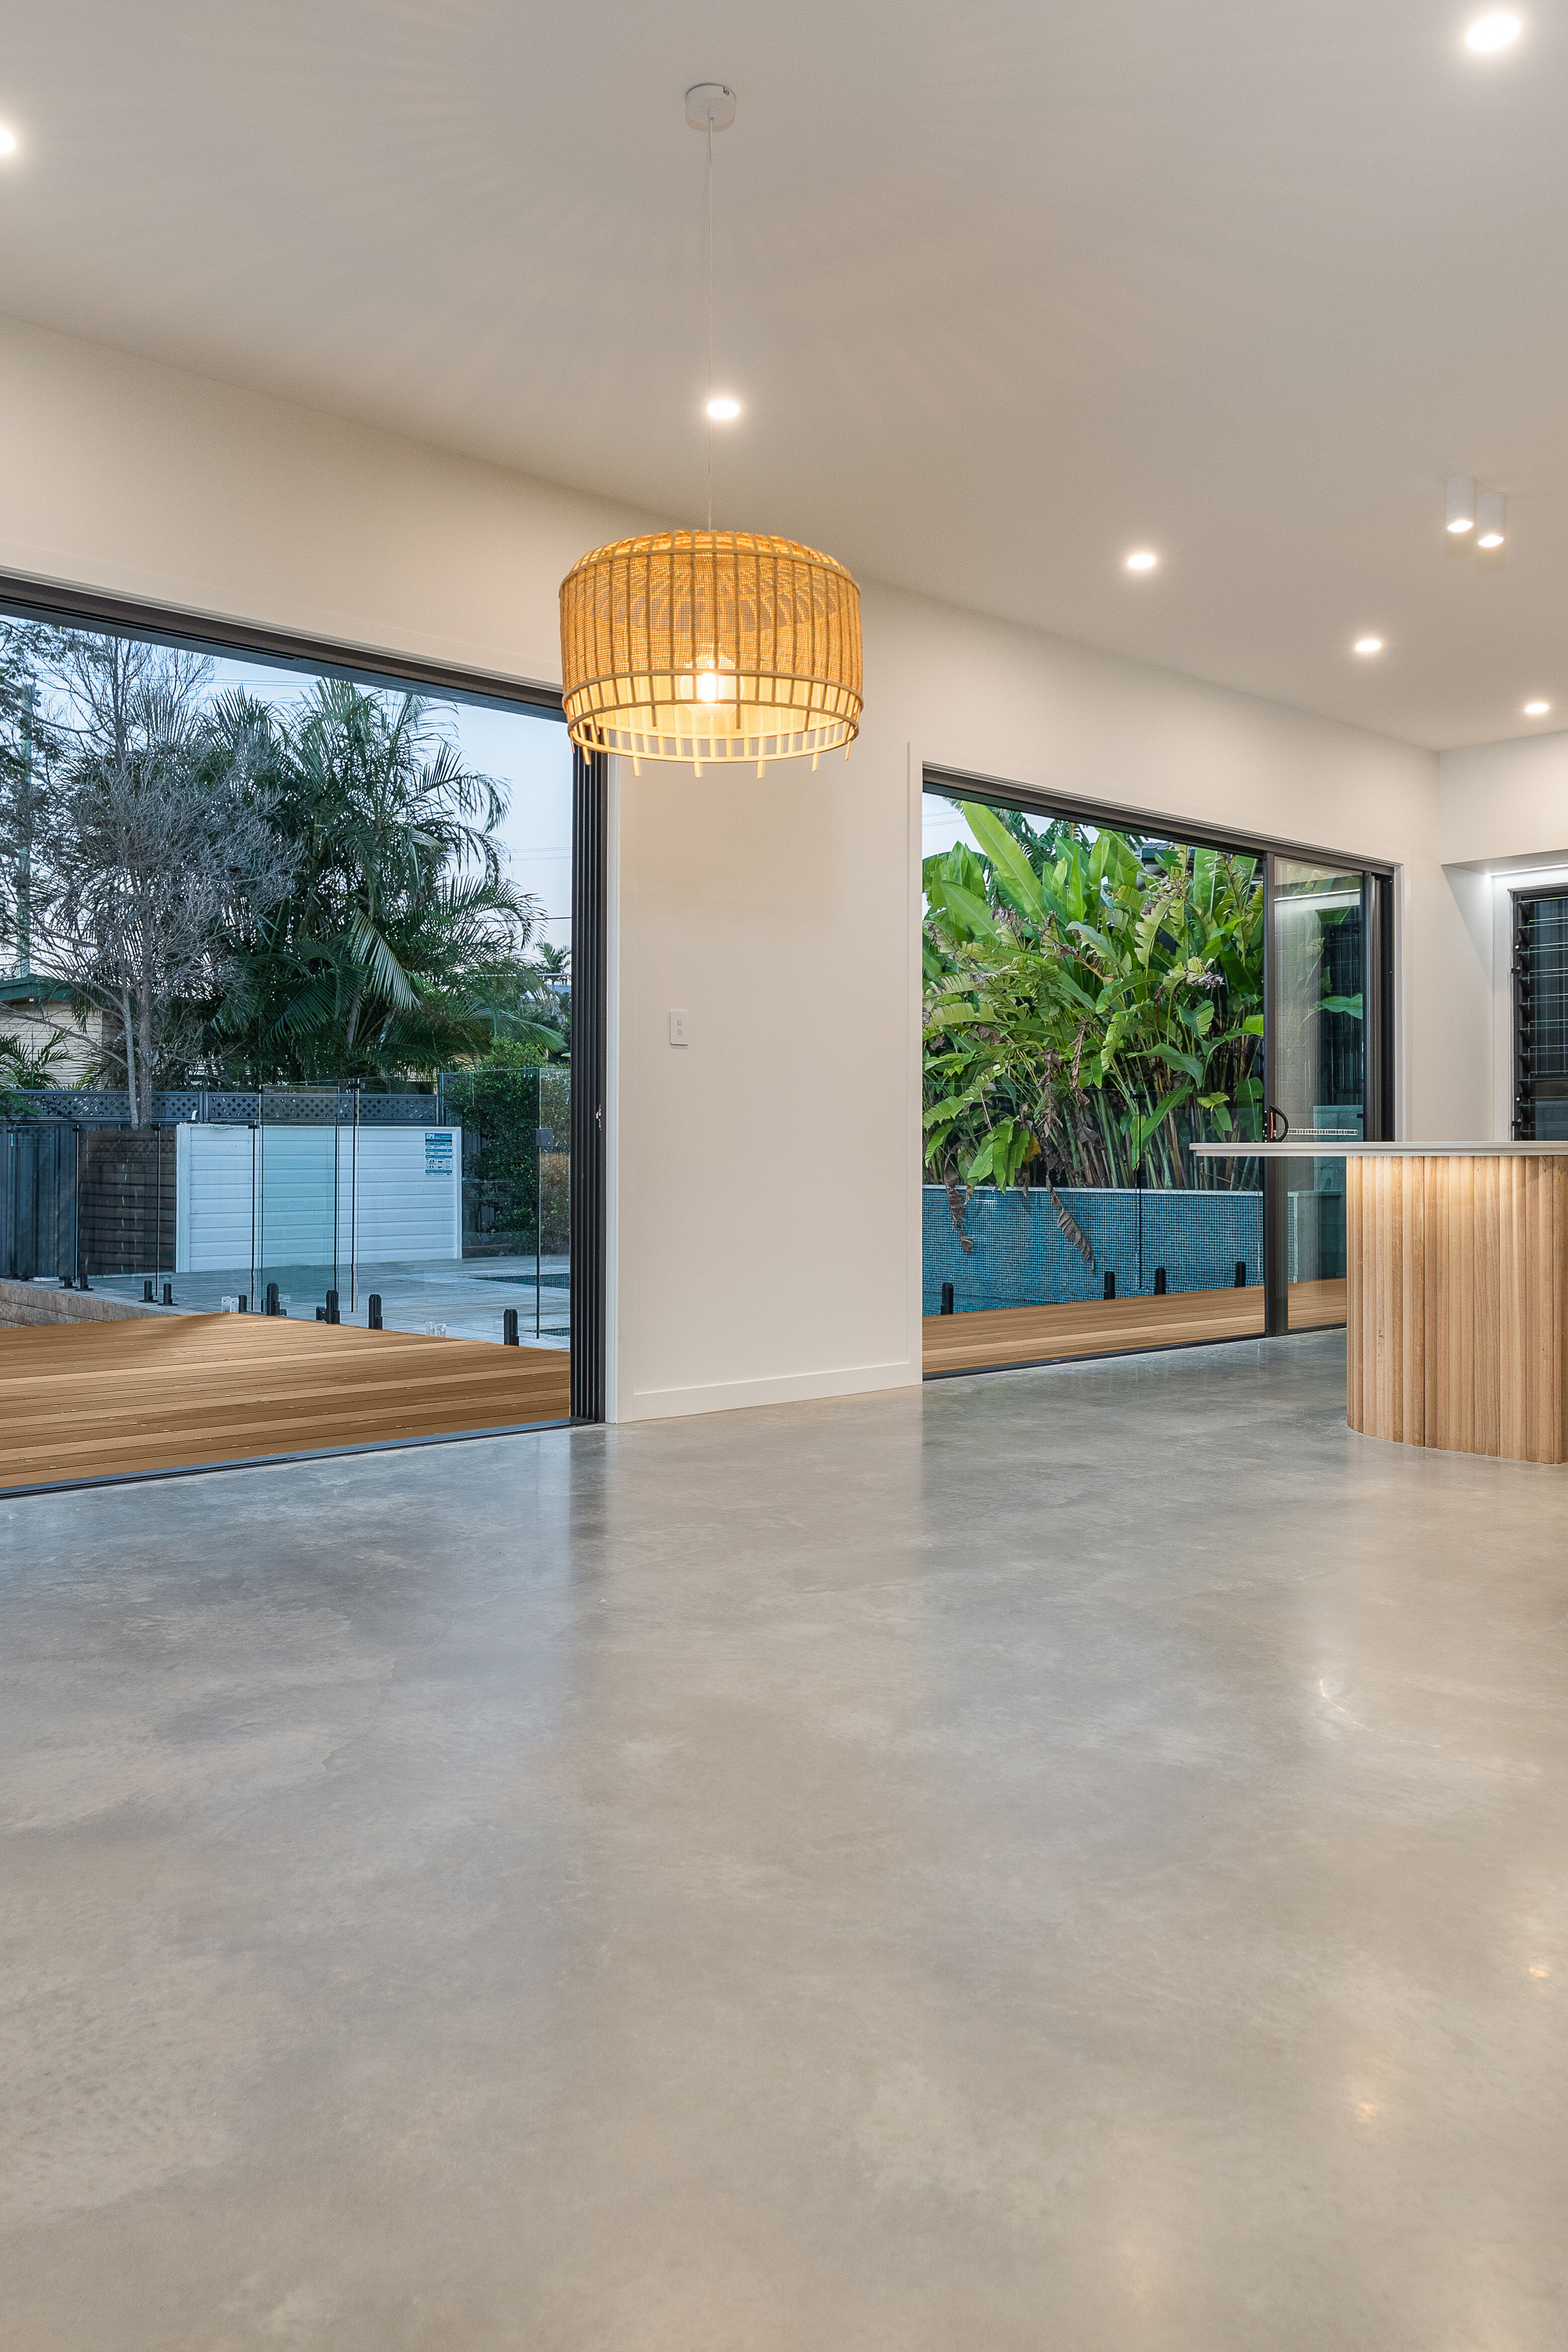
{"x": 1457, "y": 1266}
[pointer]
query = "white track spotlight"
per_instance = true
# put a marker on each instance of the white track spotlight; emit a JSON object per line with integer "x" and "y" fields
{"x": 1491, "y": 519}
{"x": 1461, "y": 503}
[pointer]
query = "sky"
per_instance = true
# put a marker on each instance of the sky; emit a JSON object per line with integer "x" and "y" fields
{"x": 941, "y": 825}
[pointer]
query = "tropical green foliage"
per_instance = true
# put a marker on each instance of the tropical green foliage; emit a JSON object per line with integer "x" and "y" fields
{"x": 138, "y": 845}
{"x": 368, "y": 930}
{"x": 516, "y": 1185}
{"x": 26, "y": 1063}
{"x": 1094, "y": 1002}
{"x": 401, "y": 945}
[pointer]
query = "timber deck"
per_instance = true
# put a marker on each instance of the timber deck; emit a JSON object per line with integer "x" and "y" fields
{"x": 991, "y": 1337}
{"x": 112, "y": 1399}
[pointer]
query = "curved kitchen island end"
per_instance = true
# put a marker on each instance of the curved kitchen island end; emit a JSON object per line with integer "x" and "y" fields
{"x": 1457, "y": 1269}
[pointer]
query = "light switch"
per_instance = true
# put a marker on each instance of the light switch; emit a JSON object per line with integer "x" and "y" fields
{"x": 678, "y": 1029}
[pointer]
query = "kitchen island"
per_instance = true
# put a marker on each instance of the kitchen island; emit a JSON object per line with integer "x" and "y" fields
{"x": 1457, "y": 1264}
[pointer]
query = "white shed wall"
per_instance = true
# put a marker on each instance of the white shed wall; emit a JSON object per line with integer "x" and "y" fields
{"x": 245, "y": 1196}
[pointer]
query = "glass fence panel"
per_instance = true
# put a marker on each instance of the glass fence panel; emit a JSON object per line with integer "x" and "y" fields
{"x": 388, "y": 1212}
{"x": 298, "y": 1199}
{"x": 515, "y": 1130}
{"x": 1319, "y": 931}
{"x": 405, "y": 1184}
{"x": 1313, "y": 1204}
{"x": 126, "y": 1207}
{"x": 552, "y": 1264}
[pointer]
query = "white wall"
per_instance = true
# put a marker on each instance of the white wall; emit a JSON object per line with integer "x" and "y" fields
{"x": 765, "y": 1177}
{"x": 767, "y": 1171}
{"x": 144, "y": 481}
{"x": 1504, "y": 824}
{"x": 1505, "y": 804}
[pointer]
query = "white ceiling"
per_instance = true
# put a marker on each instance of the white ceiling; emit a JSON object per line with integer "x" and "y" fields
{"x": 1007, "y": 287}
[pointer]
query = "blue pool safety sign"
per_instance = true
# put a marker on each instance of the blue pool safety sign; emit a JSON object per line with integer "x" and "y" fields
{"x": 437, "y": 1153}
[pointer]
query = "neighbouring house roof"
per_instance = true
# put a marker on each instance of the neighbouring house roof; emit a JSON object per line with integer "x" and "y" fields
{"x": 35, "y": 989}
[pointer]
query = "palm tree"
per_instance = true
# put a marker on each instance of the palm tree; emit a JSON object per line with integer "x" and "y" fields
{"x": 403, "y": 946}
{"x": 140, "y": 846}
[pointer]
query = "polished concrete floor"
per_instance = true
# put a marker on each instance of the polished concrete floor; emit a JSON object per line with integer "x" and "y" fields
{"x": 1073, "y": 1860}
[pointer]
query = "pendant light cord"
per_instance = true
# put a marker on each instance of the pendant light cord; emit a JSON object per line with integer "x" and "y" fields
{"x": 708, "y": 406}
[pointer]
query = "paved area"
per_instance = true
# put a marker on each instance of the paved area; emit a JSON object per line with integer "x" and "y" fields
{"x": 1075, "y": 1860}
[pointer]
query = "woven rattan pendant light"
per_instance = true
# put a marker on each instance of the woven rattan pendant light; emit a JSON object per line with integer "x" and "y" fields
{"x": 710, "y": 645}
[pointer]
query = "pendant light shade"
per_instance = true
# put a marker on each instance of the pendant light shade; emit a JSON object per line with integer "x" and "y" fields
{"x": 718, "y": 646}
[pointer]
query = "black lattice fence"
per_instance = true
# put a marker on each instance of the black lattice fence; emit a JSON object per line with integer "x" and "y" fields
{"x": 228, "y": 1106}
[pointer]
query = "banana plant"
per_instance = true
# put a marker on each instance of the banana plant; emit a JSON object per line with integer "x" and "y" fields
{"x": 1094, "y": 1003}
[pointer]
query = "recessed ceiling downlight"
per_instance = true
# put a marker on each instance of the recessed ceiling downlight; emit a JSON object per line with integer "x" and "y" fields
{"x": 722, "y": 409}
{"x": 8, "y": 140}
{"x": 1496, "y": 30}
{"x": 1142, "y": 559}
{"x": 1536, "y": 709}
{"x": 1369, "y": 644}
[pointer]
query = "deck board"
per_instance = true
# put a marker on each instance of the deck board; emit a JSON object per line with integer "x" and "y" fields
{"x": 106, "y": 1400}
{"x": 993, "y": 1337}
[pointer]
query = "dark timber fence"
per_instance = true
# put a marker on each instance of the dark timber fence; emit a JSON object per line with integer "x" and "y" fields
{"x": 78, "y": 1200}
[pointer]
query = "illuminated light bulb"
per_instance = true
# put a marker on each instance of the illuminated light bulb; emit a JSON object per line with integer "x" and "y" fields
{"x": 8, "y": 140}
{"x": 1536, "y": 709}
{"x": 722, "y": 409}
{"x": 708, "y": 686}
{"x": 1491, "y": 519}
{"x": 1460, "y": 503}
{"x": 1496, "y": 30}
{"x": 1369, "y": 644}
{"x": 1142, "y": 558}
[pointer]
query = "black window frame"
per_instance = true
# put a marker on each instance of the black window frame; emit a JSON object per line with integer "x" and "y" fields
{"x": 24, "y": 598}
{"x": 1521, "y": 1121}
{"x": 1378, "y": 970}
